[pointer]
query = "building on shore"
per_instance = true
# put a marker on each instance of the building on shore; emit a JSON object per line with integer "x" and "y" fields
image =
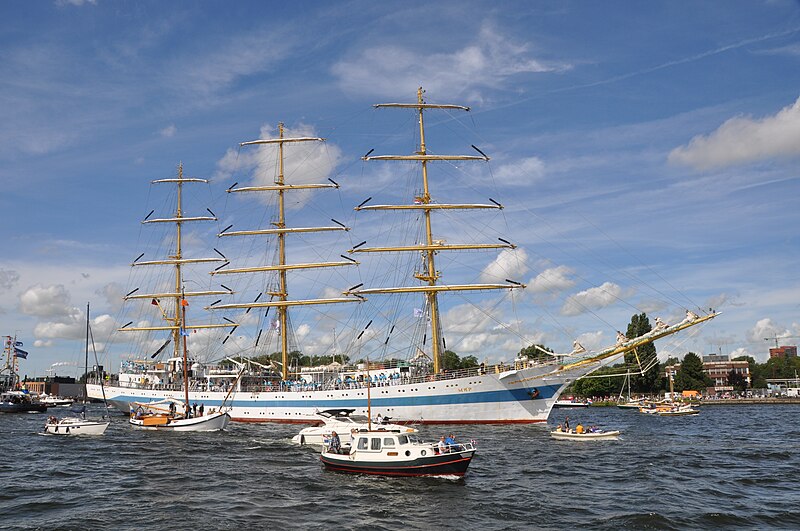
{"x": 718, "y": 368}
{"x": 783, "y": 352}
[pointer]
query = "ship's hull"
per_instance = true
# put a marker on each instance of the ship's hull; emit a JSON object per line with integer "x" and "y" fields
{"x": 515, "y": 396}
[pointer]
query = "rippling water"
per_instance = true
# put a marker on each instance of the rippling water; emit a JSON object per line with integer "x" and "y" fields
{"x": 729, "y": 467}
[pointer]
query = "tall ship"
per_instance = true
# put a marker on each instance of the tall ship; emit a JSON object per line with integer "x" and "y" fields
{"x": 417, "y": 389}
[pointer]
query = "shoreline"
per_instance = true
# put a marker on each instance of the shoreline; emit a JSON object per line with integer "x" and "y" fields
{"x": 725, "y": 402}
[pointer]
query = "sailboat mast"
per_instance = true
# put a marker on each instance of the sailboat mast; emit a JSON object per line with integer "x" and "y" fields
{"x": 86, "y": 360}
{"x": 185, "y": 359}
{"x": 431, "y": 276}
{"x": 283, "y": 295}
{"x": 176, "y": 332}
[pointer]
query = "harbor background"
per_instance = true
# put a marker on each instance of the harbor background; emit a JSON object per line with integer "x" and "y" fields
{"x": 731, "y": 467}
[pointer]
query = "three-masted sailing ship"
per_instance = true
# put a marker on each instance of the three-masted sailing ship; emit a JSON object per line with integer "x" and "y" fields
{"x": 519, "y": 391}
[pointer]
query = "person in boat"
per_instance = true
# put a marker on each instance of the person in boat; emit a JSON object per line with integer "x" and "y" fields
{"x": 560, "y": 428}
{"x": 579, "y": 428}
{"x": 566, "y": 424}
{"x": 442, "y": 445}
{"x": 379, "y": 419}
{"x": 335, "y": 445}
{"x": 202, "y": 409}
{"x": 139, "y": 412}
{"x": 172, "y": 409}
{"x": 450, "y": 441}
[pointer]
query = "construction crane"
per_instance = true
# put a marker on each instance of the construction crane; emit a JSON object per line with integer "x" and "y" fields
{"x": 776, "y": 338}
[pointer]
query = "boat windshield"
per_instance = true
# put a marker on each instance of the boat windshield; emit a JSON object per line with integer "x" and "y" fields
{"x": 358, "y": 419}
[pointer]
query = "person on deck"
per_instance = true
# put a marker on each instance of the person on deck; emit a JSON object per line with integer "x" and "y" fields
{"x": 450, "y": 441}
{"x": 566, "y": 424}
{"x": 335, "y": 445}
{"x": 202, "y": 409}
{"x": 579, "y": 428}
{"x": 442, "y": 445}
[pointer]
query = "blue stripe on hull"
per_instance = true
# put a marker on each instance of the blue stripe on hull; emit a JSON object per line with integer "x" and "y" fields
{"x": 484, "y": 397}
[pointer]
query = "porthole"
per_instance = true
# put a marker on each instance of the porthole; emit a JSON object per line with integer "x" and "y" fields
{"x": 408, "y": 453}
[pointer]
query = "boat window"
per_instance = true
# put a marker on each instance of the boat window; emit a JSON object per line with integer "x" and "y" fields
{"x": 358, "y": 418}
{"x": 362, "y": 443}
{"x": 376, "y": 443}
{"x": 388, "y": 441}
{"x": 402, "y": 439}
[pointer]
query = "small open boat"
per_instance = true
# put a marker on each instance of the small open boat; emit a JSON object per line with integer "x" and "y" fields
{"x": 586, "y": 436}
{"x": 161, "y": 416}
{"x": 398, "y": 454}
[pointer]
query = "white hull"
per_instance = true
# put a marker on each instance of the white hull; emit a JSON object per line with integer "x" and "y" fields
{"x": 76, "y": 426}
{"x": 211, "y": 422}
{"x": 514, "y": 396}
{"x": 566, "y": 435}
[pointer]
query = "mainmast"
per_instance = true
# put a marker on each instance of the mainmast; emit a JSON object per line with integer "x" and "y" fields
{"x": 281, "y": 230}
{"x": 425, "y": 203}
{"x": 176, "y": 322}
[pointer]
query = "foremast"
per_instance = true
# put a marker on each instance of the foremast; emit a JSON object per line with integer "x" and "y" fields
{"x": 425, "y": 203}
{"x": 279, "y": 298}
{"x": 176, "y": 322}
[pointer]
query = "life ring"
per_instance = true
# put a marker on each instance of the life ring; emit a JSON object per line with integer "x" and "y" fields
{"x": 534, "y": 393}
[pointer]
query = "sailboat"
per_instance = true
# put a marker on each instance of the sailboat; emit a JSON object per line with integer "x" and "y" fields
{"x": 419, "y": 390}
{"x": 79, "y": 425}
{"x": 171, "y": 410}
{"x": 13, "y": 399}
{"x": 629, "y": 403}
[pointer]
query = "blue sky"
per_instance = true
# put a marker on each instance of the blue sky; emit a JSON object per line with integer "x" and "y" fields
{"x": 646, "y": 153}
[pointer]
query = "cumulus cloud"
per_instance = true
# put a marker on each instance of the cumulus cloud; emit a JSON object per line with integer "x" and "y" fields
{"x": 766, "y": 329}
{"x": 489, "y": 62}
{"x": 553, "y": 280}
{"x": 8, "y": 278}
{"x": 524, "y": 172}
{"x": 510, "y": 263}
{"x": 592, "y": 299}
{"x": 743, "y": 140}
{"x": 113, "y": 292}
{"x": 73, "y": 326}
{"x": 46, "y": 301}
{"x": 41, "y": 343}
{"x": 304, "y": 162}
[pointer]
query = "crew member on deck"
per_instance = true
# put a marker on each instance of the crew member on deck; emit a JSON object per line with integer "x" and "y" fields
{"x": 336, "y": 444}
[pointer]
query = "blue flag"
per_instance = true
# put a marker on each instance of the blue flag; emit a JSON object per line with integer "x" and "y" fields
{"x": 18, "y": 352}
{"x": 184, "y": 332}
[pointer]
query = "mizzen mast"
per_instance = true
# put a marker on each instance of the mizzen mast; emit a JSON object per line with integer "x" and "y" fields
{"x": 176, "y": 322}
{"x": 281, "y": 230}
{"x": 425, "y": 204}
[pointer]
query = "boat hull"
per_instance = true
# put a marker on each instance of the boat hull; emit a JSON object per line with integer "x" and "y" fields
{"x": 212, "y": 422}
{"x": 569, "y": 436}
{"x": 519, "y": 396}
{"x": 454, "y": 464}
{"x": 76, "y": 427}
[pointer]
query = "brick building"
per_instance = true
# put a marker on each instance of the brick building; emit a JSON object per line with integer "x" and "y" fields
{"x": 783, "y": 352}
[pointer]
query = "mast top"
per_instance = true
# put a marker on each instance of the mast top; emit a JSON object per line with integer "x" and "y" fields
{"x": 422, "y": 105}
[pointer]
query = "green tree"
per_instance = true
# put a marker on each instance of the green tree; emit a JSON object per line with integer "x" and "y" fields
{"x": 642, "y": 356}
{"x": 534, "y": 352}
{"x": 691, "y": 376}
{"x": 737, "y": 381}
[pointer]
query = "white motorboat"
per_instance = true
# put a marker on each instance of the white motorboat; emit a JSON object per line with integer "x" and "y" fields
{"x": 163, "y": 416}
{"x": 75, "y": 426}
{"x": 388, "y": 453}
{"x": 54, "y": 401}
{"x": 344, "y": 423}
{"x": 586, "y": 435}
{"x": 571, "y": 402}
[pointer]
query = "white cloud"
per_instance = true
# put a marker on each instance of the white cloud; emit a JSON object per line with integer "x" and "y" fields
{"x": 510, "y": 263}
{"x": 394, "y": 71}
{"x": 743, "y": 140}
{"x": 41, "y": 343}
{"x": 169, "y": 131}
{"x": 522, "y": 173}
{"x": 46, "y": 301}
{"x": 553, "y": 280}
{"x": 592, "y": 299}
{"x": 304, "y": 162}
{"x": 766, "y": 329}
